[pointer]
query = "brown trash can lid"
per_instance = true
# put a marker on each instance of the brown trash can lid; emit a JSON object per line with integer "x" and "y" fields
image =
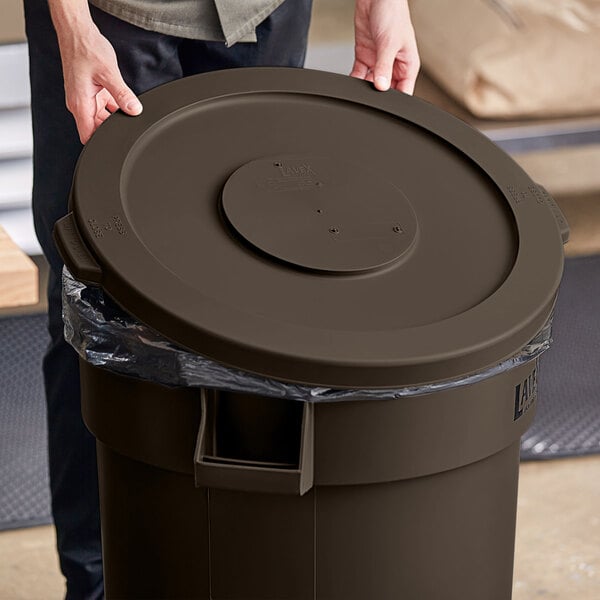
{"x": 300, "y": 225}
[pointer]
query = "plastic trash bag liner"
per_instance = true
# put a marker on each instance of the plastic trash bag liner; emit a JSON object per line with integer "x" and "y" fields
{"x": 106, "y": 336}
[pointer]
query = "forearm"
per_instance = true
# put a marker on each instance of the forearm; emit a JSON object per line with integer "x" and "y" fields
{"x": 70, "y": 17}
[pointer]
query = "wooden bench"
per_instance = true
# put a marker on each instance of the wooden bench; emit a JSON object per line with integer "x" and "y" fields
{"x": 18, "y": 275}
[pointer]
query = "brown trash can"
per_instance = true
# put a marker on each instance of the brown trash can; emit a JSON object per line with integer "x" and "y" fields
{"x": 302, "y": 227}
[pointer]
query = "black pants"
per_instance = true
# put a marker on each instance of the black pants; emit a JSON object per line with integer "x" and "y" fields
{"x": 146, "y": 59}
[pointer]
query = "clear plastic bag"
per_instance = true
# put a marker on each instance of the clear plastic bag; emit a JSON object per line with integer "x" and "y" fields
{"x": 106, "y": 336}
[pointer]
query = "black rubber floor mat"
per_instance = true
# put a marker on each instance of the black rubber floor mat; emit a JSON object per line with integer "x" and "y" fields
{"x": 24, "y": 486}
{"x": 567, "y": 422}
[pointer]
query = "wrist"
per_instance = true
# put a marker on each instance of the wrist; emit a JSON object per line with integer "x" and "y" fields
{"x": 71, "y": 20}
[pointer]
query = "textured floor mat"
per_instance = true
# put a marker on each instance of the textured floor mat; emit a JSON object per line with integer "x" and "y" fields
{"x": 567, "y": 422}
{"x": 24, "y": 492}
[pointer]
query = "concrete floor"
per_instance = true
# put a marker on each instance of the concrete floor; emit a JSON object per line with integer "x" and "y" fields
{"x": 558, "y": 526}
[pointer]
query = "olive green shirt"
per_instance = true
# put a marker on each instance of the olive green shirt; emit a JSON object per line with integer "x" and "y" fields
{"x": 230, "y": 21}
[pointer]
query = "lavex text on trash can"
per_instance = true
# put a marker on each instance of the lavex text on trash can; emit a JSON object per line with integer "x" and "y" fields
{"x": 306, "y": 237}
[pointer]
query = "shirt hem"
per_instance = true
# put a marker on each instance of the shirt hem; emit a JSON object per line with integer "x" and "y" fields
{"x": 175, "y": 29}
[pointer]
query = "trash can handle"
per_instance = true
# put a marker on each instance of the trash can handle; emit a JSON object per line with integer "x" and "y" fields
{"x": 74, "y": 252}
{"x": 558, "y": 214}
{"x": 214, "y": 471}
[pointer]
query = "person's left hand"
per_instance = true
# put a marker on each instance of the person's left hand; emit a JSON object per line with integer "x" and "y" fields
{"x": 385, "y": 46}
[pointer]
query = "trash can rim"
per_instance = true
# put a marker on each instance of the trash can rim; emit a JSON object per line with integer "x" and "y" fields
{"x": 443, "y": 349}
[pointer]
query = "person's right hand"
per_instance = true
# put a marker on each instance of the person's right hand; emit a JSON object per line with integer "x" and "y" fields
{"x": 94, "y": 87}
{"x": 385, "y": 48}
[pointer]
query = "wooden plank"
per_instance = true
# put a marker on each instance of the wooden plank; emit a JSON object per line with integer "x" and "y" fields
{"x": 18, "y": 275}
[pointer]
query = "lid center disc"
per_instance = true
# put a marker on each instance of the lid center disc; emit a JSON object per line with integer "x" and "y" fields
{"x": 319, "y": 213}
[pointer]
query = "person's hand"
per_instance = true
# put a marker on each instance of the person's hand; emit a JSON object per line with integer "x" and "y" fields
{"x": 385, "y": 46}
{"x": 94, "y": 87}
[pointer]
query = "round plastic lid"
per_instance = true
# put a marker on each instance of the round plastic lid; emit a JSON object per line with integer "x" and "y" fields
{"x": 302, "y": 226}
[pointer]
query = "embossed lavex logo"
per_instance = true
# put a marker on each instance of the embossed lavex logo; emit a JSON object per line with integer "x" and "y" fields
{"x": 292, "y": 177}
{"x": 304, "y": 170}
{"x": 525, "y": 394}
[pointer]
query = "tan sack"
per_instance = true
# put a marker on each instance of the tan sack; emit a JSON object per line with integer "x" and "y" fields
{"x": 513, "y": 58}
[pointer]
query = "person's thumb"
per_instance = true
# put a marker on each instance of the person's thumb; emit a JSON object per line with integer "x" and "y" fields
{"x": 384, "y": 64}
{"x": 124, "y": 97}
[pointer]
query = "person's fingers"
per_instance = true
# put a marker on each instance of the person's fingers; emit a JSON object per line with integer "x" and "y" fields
{"x": 100, "y": 118}
{"x": 105, "y": 100}
{"x": 382, "y": 73}
{"x": 406, "y": 85}
{"x": 359, "y": 69}
{"x": 125, "y": 99}
{"x": 83, "y": 109}
{"x": 112, "y": 105}
{"x": 90, "y": 113}
{"x": 409, "y": 70}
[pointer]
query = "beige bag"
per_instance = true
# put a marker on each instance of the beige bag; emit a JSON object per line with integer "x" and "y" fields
{"x": 513, "y": 58}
